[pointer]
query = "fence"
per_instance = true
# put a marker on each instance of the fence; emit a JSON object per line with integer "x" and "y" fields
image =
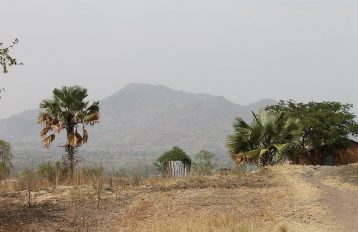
{"x": 177, "y": 169}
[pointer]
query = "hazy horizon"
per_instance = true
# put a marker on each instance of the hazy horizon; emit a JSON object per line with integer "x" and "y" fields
{"x": 243, "y": 50}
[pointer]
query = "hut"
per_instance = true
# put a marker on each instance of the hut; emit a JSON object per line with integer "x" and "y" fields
{"x": 331, "y": 155}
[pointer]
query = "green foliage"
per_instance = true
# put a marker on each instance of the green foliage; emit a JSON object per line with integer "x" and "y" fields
{"x": 6, "y": 60}
{"x": 271, "y": 137}
{"x": 204, "y": 163}
{"x": 175, "y": 154}
{"x": 324, "y": 123}
{"x": 5, "y": 159}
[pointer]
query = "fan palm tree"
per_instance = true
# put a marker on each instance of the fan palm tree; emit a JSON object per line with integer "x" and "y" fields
{"x": 271, "y": 137}
{"x": 68, "y": 110}
{"x": 5, "y": 159}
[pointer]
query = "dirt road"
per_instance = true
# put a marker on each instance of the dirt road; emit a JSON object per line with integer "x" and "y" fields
{"x": 339, "y": 193}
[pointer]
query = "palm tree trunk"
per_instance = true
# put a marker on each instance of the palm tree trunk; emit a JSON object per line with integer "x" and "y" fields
{"x": 70, "y": 149}
{"x": 71, "y": 159}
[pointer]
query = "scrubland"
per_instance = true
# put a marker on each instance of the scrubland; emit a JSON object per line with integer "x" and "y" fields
{"x": 282, "y": 198}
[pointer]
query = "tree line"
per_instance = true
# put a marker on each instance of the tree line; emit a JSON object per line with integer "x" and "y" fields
{"x": 288, "y": 129}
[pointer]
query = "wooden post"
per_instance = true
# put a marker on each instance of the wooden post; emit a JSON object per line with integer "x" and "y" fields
{"x": 177, "y": 169}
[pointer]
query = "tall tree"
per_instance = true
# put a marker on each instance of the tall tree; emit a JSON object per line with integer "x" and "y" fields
{"x": 270, "y": 138}
{"x": 70, "y": 111}
{"x": 5, "y": 159}
{"x": 324, "y": 123}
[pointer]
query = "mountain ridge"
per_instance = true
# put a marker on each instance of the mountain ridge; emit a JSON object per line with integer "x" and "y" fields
{"x": 139, "y": 122}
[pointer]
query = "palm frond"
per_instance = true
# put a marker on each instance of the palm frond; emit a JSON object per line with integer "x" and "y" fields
{"x": 48, "y": 140}
{"x": 269, "y": 138}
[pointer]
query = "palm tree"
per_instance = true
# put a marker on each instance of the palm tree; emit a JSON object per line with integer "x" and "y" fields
{"x": 271, "y": 137}
{"x": 5, "y": 159}
{"x": 68, "y": 110}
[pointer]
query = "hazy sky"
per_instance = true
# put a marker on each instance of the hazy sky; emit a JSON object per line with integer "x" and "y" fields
{"x": 244, "y": 50}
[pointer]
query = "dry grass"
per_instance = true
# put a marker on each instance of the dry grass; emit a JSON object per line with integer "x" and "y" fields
{"x": 306, "y": 204}
{"x": 265, "y": 201}
{"x": 344, "y": 177}
{"x": 201, "y": 223}
{"x": 339, "y": 182}
{"x": 263, "y": 179}
{"x": 275, "y": 200}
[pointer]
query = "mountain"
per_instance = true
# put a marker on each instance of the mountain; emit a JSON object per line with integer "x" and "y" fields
{"x": 137, "y": 124}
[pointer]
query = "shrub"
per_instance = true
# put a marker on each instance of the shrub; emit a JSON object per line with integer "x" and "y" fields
{"x": 28, "y": 181}
{"x": 175, "y": 154}
{"x": 51, "y": 173}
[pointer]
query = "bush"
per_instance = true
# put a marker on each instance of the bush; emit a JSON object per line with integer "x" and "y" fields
{"x": 175, "y": 154}
{"x": 51, "y": 173}
{"x": 204, "y": 163}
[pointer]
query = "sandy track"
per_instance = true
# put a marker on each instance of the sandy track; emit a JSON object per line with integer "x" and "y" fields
{"x": 341, "y": 201}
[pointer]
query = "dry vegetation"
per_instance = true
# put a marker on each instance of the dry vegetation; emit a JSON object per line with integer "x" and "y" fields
{"x": 345, "y": 177}
{"x": 277, "y": 199}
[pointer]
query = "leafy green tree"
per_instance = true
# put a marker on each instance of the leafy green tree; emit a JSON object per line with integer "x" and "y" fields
{"x": 204, "y": 162}
{"x": 175, "y": 154}
{"x": 6, "y": 60}
{"x": 5, "y": 159}
{"x": 271, "y": 137}
{"x": 324, "y": 123}
{"x": 70, "y": 111}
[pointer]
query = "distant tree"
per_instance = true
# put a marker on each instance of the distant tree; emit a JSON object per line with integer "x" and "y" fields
{"x": 70, "y": 111}
{"x": 175, "y": 154}
{"x": 271, "y": 137}
{"x": 324, "y": 123}
{"x": 6, "y": 60}
{"x": 204, "y": 162}
{"x": 5, "y": 159}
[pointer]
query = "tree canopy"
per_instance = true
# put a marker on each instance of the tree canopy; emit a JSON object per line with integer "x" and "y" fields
{"x": 324, "y": 123}
{"x": 70, "y": 111}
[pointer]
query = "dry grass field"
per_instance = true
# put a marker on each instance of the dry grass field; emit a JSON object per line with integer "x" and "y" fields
{"x": 282, "y": 198}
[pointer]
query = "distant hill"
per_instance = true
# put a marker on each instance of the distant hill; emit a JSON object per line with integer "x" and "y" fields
{"x": 137, "y": 124}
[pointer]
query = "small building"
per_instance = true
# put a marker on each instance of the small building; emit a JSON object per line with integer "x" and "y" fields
{"x": 331, "y": 155}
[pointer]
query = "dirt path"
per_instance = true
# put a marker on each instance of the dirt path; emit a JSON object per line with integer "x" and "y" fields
{"x": 340, "y": 198}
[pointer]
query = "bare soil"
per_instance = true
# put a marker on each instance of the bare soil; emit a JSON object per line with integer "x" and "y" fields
{"x": 339, "y": 193}
{"x": 285, "y": 198}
